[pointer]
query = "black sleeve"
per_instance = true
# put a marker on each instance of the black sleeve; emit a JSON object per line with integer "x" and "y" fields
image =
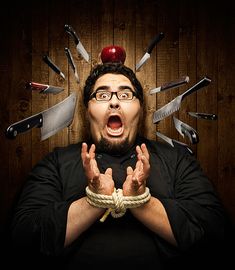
{"x": 195, "y": 212}
{"x": 40, "y": 217}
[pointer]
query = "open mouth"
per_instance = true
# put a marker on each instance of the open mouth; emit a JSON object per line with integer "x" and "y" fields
{"x": 115, "y": 126}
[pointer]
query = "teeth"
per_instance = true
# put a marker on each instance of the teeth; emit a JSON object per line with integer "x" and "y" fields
{"x": 115, "y": 132}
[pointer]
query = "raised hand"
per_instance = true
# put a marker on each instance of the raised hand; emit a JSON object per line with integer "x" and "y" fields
{"x": 135, "y": 182}
{"x": 97, "y": 182}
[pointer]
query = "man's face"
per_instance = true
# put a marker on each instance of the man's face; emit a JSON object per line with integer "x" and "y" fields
{"x": 114, "y": 122}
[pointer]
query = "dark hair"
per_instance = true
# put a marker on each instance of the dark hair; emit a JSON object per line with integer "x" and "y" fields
{"x": 114, "y": 68}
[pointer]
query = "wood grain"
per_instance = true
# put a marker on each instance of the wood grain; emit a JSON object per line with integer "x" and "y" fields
{"x": 199, "y": 41}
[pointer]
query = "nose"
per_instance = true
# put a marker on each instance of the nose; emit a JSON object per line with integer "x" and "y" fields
{"x": 114, "y": 102}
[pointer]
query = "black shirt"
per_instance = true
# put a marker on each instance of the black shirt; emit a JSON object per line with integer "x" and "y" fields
{"x": 176, "y": 179}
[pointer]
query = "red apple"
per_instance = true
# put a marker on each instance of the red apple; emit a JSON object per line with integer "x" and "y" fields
{"x": 113, "y": 53}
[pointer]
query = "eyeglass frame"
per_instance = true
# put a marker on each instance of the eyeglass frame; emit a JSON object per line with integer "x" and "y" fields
{"x": 93, "y": 95}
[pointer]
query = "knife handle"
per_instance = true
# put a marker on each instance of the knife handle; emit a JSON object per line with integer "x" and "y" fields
{"x": 206, "y": 116}
{"x": 36, "y": 86}
{"x": 202, "y": 83}
{"x": 152, "y": 44}
{"x": 69, "y": 29}
{"x": 70, "y": 58}
{"x": 176, "y": 83}
{"x": 49, "y": 62}
{"x": 24, "y": 125}
{"x": 190, "y": 133}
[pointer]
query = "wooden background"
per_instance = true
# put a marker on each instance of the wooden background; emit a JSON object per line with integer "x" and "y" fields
{"x": 199, "y": 40}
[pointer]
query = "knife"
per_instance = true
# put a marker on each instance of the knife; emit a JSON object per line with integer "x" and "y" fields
{"x": 169, "y": 85}
{"x": 174, "y": 105}
{"x": 43, "y": 88}
{"x": 173, "y": 143}
{"x": 81, "y": 50}
{"x": 50, "y": 121}
{"x": 53, "y": 66}
{"x": 71, "y": 62}
{"x": 206, "y": 116}
{"x": 152, "y": 44}
{"x": 185, "y": 129}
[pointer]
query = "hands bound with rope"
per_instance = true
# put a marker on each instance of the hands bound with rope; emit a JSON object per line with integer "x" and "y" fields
{"x": 101, "y": 191}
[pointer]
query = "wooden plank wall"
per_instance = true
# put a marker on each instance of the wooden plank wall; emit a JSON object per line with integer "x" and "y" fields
{"x": 199, "y": 41}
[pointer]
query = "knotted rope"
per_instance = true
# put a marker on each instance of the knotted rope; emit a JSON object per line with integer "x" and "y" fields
{"x": 116, "y": 203}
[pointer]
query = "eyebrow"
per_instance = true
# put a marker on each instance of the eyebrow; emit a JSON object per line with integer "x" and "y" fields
{"x": 105, "y": 87}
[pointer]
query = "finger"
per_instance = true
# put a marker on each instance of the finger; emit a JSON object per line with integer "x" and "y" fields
{"x": 145, "y": 161}
{"x": 84, "y": 151}
{"x": 94, "y": 167}
{"x": 109, "y": 172}
{"x": 92, "y": 151}
{"x": 145, "y": 150}
{"x": 139, "y": 164}
{"x": 138, "y": 150}
{"x": 129, "y": 170}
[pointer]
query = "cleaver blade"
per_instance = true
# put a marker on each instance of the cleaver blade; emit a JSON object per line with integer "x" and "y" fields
{"x": 50, "y": 121}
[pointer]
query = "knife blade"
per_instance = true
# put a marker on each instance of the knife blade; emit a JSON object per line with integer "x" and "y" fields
{"x": 206, "y": 116}
{"x": 71, "y": 62}
{"x": 170, "y": 85}
{"x": 53, "y": 66}
{"x": 152, "y": 44}
{"x": 174, "y": 105}
{"x": 80, "y": 48}
{"x": 185, "y": 129}
{"x": 43, "y": 88}
{"x": 50, "y": 121}
{"x": 174, "y": 143}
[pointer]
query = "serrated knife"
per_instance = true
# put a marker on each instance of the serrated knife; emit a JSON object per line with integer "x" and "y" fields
{"x": 80, "y": 48}
{"x": 174, "y": 105}
{"x": 173, "y": 143}
{"x": 50, "y": 121}
{"x": 185, "y": 129}
{"x": 152, "y": 44}
{"x": 43, "y": 88}
{"x": 206, "y": 116}
{"x": 170, "y": 85}
{"x": 53, "y": 66}
{"x": 71, "y": 62}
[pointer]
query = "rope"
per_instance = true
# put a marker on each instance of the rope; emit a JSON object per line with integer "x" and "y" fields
{"x": 116, "y": 203}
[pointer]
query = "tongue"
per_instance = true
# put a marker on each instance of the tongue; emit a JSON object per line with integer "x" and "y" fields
{"x": 114, "y": 122}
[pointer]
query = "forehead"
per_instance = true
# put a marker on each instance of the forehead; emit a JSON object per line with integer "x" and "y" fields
{"x": 112, "y": 80}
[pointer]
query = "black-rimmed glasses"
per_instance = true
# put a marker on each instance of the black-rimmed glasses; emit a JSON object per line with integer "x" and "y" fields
{"x": 125, "y": 95}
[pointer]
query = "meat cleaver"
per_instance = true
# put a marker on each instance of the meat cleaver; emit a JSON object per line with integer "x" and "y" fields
{"x": 174, "y": 105}
{"x": 50, "y": 121}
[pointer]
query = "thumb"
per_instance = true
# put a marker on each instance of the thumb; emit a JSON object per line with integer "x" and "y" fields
{"x": 109, "y": 171}
{"x": 129, "y": 170}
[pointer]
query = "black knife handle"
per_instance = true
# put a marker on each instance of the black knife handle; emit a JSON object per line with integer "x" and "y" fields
{"x": 206, "y": 116}
{"x": 152, "y": 44}
{"x": 174, "y": 84}
{"x": 190, "y": 133}
{"x": 70, "y": 58}
{"x": 49, "y": 62}
{"x": 52, "y": 65}
{"x": 24, "y": 125}
{"x": 69, "y": 29}
{"x": 202, "y": 83}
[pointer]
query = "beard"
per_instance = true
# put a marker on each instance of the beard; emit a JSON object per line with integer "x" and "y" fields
{"x": 113, "y": 148}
